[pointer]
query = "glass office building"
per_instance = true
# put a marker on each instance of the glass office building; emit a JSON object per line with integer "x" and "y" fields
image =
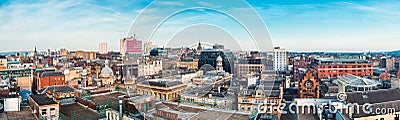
{"x": 209, "y": 56}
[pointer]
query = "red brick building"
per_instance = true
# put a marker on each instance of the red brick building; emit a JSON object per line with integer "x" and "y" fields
{"x": 384, "y": 76}
{"x": 334, "y": 67}
{"x": 49, "y": 78}
{"x": 297, "y": 65}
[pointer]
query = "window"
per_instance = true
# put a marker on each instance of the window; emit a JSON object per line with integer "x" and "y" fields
{"x": 44, "y": 112}
{"x": 309, "y": 83}
{"x": 53, "y": 111}
{"x": 149, "y": 103}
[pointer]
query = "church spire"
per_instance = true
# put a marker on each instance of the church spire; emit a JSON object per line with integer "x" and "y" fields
{"x": 199, "y": 48}
{"x": 35, "y": 50}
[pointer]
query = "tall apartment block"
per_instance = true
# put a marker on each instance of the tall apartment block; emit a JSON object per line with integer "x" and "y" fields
{"x": 280, "y": 59}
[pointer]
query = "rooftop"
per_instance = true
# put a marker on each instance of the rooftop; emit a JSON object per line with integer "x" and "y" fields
{"x": 391, "y": 104}
{"x": 220, "y": 115}
{"x": 203, "y": 113}
{"x": 139, "y": 97}
{"x": 374, "y": 96}
{"x": 24, "y": 114}
{"x": 341, "y": 61}
{"x": 103, "y": 99}
{"x": 43, "y": 99}
{"x": 355, "y": 81}
{"x": 269, "y": 88}
{"x": 56, "y": 89}
{"x": 162, "y": 83}
{"x": 51, "y": 73}
{"x": 79, "y": 112}
{"x": 181, "y": 114}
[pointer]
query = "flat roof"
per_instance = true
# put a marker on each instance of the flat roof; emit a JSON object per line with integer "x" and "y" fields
{"x": 24, "y": 114}
{"x": 341, "y": 60}
{"x": 79, "y": 112}
{"x": 57, "y": 89}
{"x": 43, "y": 99}
{"x": 139, "y": 97}
{"x": 181, "y": 114}
{"x": 162, "y": 83}
{"x": 102, "y": 99}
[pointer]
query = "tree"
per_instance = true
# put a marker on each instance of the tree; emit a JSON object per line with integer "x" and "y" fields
{"x": 117, "y": 88}
{"x": 179, "y": 99}
{"x": 215, "y": 103}
{"x": 254, "y": 114}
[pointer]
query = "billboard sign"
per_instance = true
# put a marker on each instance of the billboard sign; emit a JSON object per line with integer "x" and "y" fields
{"x": 133, "y": 46}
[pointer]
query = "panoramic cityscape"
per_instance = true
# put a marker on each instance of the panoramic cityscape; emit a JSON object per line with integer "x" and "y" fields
{"x": 199, "y": 60}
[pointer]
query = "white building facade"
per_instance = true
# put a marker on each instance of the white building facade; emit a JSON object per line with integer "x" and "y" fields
{"x": 280, "y": 59}
{"x": 150, "y": 68}
{"x": 103, "y": 48}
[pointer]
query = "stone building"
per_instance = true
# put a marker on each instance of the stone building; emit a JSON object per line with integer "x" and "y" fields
{"x": 309, "y": 86}
{"x": 167, "y": 90}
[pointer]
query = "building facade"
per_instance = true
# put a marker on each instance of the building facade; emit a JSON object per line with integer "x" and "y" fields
{"x": 50, "y": 78}
{"x": 189, "y": 64}
{"x": 268, "y": 94}
{"x": 163, "y": 89}
{"x": 209, "y": 56}
{"x": 334, "y": 67}
{"x": 130, "y": 45}
{"x": 103, "y": 48}
{"x": 280, "y": 59}
{"x": 148, "y": 46}
{"x": 3, "y": 62}
{"x": 309, "y": 86}
{"x": 44, "y": 107}
{"x": 249, "y": 66}
{"x": 150, "y": 67}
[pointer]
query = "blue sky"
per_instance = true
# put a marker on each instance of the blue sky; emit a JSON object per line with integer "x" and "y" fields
{"x": 300, "y": 25}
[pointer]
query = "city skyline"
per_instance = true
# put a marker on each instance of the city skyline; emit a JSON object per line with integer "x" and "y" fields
{"x": 356, "y": 26}
{"x": 199, "y": 60}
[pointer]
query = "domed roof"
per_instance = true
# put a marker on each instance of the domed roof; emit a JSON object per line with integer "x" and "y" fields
{"x": 106, "y": 71}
